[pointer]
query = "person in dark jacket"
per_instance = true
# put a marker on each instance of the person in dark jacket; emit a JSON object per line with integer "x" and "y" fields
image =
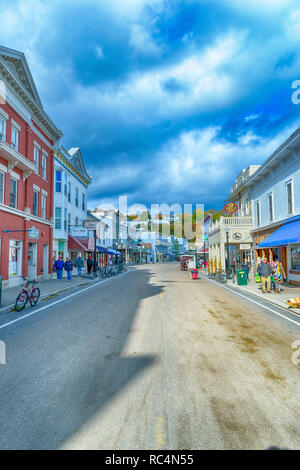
{"x": 58, "y": 266}
{"x": 246, "y": 267}
{"x": 69, "y": 268}
{"x": 265, "y": 270}
{"x": 89, "y": 264}
{"x": 79, "y": 265}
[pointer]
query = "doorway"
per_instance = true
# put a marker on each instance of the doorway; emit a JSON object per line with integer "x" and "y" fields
{"x": 32, "y": 261}
{"x": 45, "y": 261}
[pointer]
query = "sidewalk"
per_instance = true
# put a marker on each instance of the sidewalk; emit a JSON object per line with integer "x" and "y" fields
{"x": 48, "y": 288}
{"x": 288, "y": 292}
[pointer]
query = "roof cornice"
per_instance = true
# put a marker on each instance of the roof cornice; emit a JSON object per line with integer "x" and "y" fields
{"x": 50, "y": 128}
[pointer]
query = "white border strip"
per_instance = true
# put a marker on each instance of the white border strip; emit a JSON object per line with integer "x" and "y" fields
{"x": 251, "y": 300}
{"x": 61, "y": 300}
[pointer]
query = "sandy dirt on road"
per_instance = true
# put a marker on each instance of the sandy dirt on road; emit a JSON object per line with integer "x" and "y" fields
{"x": 241, "y": 361}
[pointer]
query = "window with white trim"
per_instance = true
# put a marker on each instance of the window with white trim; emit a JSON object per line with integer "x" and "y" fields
{"x": 43, "y": 206}
{"x": 58, "y": 181}
{"x": 36, "y": 157}
{"x": 14, "y": 138}
{"x": 69, "y": 222}
{"x": 69, "y": 191}
{"x": 2, "y": 185}
{"x": 66, "y": 185}
{"x": 35, "y": 202}
{"x": 257, "y": 213}
{"x": 2, "y": 129}
{"x": 13, "y": 192}
{"x": 44, "y": 166}
{"x": 83, "y": 201}
{"x": 270, "y": 207}
{"x": 58, "y": 218}
{"x": 76, "y": 197}
{"x": 66, "y": 220}
{"x": 289, "y": 197}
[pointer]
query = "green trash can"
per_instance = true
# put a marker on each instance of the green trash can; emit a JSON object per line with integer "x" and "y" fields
{"x": 241, "y": 277}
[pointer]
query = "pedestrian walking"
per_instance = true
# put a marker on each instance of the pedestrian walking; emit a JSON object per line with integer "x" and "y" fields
{"x": 246, "y": 267}
{"x": 89, "y": 264}
{"x": 58, "y": 266}
{"x": 79, "y": 265}
{"x": 265, "y": 270}
{"x": 279, "y": 275}
{"x": 69, "y": 268}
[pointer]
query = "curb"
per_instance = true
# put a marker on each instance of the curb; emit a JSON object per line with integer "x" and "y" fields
{"x": 234, "y": 288}
{"x": 8, "y": 308}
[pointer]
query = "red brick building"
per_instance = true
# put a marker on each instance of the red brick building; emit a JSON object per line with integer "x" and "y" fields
{"x": 27, "y": 139}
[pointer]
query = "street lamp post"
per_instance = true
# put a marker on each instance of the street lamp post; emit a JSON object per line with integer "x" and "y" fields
{"x": 227, "y": 249}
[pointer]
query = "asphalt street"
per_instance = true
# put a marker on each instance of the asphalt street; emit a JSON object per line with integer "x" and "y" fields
{"x": 150, "y": 360}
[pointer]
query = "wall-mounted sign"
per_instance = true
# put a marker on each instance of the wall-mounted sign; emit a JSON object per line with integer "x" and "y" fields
{"x": 245, "y": 246}
{"x": 33, "y": 233}
{"x": 90, "y": 225}
{"x": 237, "y": 236}
{"x": 79, "y": 232}
{"x": 231, "y": 208}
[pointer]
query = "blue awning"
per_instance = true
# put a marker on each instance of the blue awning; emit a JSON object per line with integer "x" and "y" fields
{"x": 285, "y": 235}
{"x": 111, "y": 251}
{"x": 101, "y": 249}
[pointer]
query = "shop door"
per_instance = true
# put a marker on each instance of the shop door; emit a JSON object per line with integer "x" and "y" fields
{"x": 284, "y": 258}
{"x": 45, "y": 261}
{"x": 32, "y": 261}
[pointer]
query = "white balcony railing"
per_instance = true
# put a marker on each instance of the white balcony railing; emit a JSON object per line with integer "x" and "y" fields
{"x": 231, "y": 222}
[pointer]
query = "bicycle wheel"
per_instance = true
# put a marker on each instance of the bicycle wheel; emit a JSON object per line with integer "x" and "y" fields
{"x": 21, "y": 301}
{"x": 35, "y": 295}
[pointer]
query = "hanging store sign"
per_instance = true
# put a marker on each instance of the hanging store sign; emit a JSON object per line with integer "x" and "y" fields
{"x": 79, "y": 232}
{"x": 231, "y": 208}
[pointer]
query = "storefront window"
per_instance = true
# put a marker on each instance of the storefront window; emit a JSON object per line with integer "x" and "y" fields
{"x": 15, "y": 258}
{"x": 295, "y": 257}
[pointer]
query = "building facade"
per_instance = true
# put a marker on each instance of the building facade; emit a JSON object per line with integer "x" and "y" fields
{"x": 275, "y": 198}
{"x": 71, "y": 183}
{"x": 27, "y": 140}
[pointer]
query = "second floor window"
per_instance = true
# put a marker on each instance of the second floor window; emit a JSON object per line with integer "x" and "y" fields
{"x": 76, "y": 197}
{"x": 270, "y": 204}
{"x": 58, "y": 181}
{"x": 83, "y": 201}
{"x": 69, "y": 222}
{"x": 36, "y": 157}
{"x": 13, "y": 193}
{"x": 35, "y": 203}
{"x": 76, "y": 221}
{"x": 44, "y": 167}
{"x": 289, "y": 198}
{"x": 2, "y": 129}
{"x": 66, "y": 220}
{"x": 69, "y": 192}
{"x": 58, "y": 218}
{"x": 257, "y": 213}
{"x": 43, "y": 207}
{"x": 2, "y": 180}
{"x": 14, "y": 138}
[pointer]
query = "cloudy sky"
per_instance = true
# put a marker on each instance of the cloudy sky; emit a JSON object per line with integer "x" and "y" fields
{"x": 168, "y": 100}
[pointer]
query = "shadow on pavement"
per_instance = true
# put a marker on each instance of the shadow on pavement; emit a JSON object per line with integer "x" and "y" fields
{"x": 65, "y": 365}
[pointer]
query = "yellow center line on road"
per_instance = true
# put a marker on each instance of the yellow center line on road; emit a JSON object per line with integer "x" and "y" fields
{"x": 160, "y": 434}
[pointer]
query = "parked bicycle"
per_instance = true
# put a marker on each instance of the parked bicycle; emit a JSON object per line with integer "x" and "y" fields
{"x": 29, "y": 292}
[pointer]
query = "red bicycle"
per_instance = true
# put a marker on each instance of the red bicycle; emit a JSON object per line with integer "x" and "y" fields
{"x": 29, "y": 292}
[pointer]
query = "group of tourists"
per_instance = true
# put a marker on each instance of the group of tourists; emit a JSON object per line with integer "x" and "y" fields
{"x": 68, "y": 266}
{"x": 271, "y": 275}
